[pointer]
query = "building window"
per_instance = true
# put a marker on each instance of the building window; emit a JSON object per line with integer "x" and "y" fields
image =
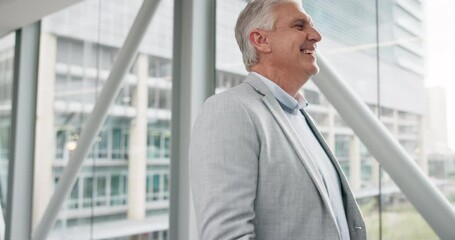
{"x": 60, "y": 142}
{"x": 156, "y": 187}
{"x": 312, "y": 97}
{"x": 225, "y": 80}
{"x": 70, "y": 51}
{"x": 165, "y": 186}
{"x": 100, "y": 192}
{"x": 102, "y": 146}
{"x": 120, "y": 143}
{"x": 87, "y": 192}
{"x": 339, "y": 122}
{"x": 386, "y": 112}
{"x": 407, "y": 116}
{"x": 342, "y": 143}
{"x": 158, "y": 144}
{"x": 155, "y": 236}
{"x": 118, "y": 189}
{"x": 73, "y": 202}
{"x": 159, "y": 67}
{"x": 4, "y": 141}
{"x": 412, "y": 130}
{"x": 320, "y": 118}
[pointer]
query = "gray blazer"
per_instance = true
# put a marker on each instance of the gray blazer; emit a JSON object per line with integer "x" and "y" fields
{"x": 251, "y": 177}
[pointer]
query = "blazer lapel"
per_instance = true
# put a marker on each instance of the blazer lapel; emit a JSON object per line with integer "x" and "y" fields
{"x": 272, "y": 104}
{"x": 336, "y": 165}
{"x": 353, "y": 214}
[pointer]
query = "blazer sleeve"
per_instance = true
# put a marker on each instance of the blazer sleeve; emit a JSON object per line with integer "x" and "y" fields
{"x": 223, "y": 157}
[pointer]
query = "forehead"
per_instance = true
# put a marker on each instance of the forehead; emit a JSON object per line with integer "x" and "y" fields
{"x": 290, "y": 12}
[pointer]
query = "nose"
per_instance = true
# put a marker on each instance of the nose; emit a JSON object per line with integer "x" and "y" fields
{"x": 314, "y": 35}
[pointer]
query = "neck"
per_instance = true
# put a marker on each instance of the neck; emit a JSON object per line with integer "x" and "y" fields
{"x": 288, "y": 81}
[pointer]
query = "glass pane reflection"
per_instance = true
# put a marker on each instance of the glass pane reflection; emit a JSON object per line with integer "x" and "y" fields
{"x": 7, "y": 44}
{"x": 123, "y": 184}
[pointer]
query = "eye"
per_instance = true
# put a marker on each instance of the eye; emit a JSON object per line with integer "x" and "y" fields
{"x": 299, "y": 26}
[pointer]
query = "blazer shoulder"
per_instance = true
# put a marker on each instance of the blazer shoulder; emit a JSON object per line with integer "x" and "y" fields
{"x": 240, "y": 94}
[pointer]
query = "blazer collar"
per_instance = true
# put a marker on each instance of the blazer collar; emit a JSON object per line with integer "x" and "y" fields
{"x": 301, "y": 150}
{"x": 258, "y": 85}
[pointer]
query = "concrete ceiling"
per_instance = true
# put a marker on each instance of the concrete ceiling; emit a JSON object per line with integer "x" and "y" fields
{"x": 15, "y": 14}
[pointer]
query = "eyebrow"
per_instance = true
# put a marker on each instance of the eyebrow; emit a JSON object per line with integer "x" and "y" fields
{"x": 304, "y": 21}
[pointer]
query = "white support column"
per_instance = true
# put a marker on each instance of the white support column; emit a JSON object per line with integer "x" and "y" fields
{"x": 137, "y": 168}
{"x": 20, "y": 173}
{"x": 45, "y": 132}
{"x": 193, "y": 81}
{"x": 354, "y": 163}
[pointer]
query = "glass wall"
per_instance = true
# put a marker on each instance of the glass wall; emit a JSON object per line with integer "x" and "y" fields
{"x": 385, "y": 52}
{"x": 441, "y": 96}
{"x": 382, "y": 60}
{"x": 122, "y": 191}
{"x": 7, "y": 44}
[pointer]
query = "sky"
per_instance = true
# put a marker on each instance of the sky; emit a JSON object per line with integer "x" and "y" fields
{"x": 440, "y": 41}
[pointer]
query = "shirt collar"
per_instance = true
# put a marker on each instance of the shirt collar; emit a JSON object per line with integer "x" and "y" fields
{"x": 287, "y": 102}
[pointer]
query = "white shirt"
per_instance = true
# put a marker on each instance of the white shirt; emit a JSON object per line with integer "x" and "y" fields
{"x": 292, "y": 108}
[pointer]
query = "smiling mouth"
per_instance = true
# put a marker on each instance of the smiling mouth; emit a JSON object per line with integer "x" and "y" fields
{"x": 308, "y": 51}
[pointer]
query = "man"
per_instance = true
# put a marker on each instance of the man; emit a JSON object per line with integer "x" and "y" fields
{"x": 259, "y": 168}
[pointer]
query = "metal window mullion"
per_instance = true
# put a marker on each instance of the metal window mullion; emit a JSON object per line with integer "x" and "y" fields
{"x": 20, "y": 184}
{"x": 193, "y": 81}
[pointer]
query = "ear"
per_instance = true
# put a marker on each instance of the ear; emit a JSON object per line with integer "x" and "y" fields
{"x": 259, "y": 39}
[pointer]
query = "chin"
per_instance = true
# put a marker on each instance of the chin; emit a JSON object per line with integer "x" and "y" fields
{"x": 313, "y": 71}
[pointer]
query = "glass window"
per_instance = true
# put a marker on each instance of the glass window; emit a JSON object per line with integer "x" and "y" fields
{"x": 116, "y": 143}
{"x": 155, "y": 236}
{"x": 159, "y": 67}
{"x": 74, "y": 196}
{"x": 312, "y": 97}
{"x": 103, "y": 141}
{"x": 386, "y": 112}
{"x": 101, "y": 191}
{"x": 164, "y": 99}
{"x": 156, "y": 186}
{"x": 87, "y": 192}
{"x": 81, "y": 44}
{"x": 165, "y": 186}
{"x": 342, "y": 147}
{"x": 7, "y": 44}
{"x": 60, "y": 142}
{"x": 115, "y": 188}
{"x": 167, "y": 146}
{"x": 119, "y": 143}
{"x": 148, "y": 188}
{"x": 157, "y": 144}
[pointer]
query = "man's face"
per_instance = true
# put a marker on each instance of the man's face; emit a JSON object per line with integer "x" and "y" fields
{"x": 293, "y": 42}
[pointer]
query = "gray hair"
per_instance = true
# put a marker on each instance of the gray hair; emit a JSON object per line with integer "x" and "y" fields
{"x": 258, "y": 14}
